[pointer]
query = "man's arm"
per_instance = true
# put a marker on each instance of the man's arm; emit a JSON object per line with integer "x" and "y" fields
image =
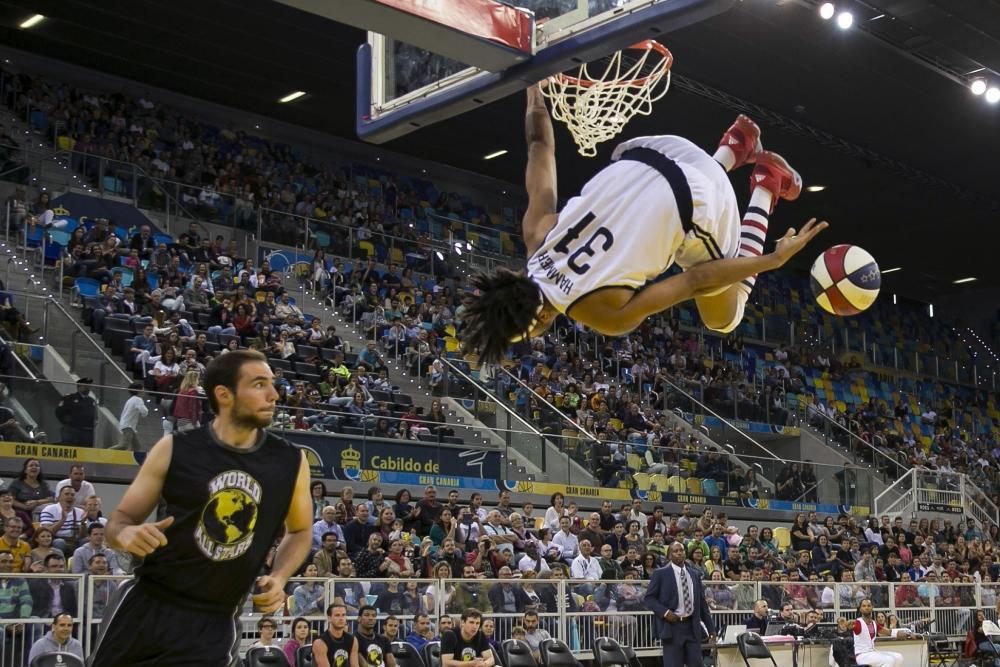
{"x": 651, "y": 600}
{"x": 294, "y": 546}
{"x": 126, "y": 530}
{"x": 703, "y": 279}
{"x": 540, "y": 176}
{"x": 320, "y": 659}
{"x": 353, "y": 660}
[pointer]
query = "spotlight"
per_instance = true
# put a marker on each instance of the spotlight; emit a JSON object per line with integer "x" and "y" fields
{"x": 845, "y": 20}
{"x": 826, "y": 11}
{"x": 993, "y": 95}
{"x": 978, "y": 86}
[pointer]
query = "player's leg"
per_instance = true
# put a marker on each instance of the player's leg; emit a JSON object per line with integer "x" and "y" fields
{"x": 740, "y": 144}
{"x": 772, "y": 178}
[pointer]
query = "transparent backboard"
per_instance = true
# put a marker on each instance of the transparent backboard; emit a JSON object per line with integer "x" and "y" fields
{"x": 394, "y": 76}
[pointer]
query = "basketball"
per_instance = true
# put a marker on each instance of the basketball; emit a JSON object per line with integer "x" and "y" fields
{"x": 845, "y": 280}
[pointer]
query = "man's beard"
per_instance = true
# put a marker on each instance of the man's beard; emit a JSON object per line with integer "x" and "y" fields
{"x": 250, "y": 418}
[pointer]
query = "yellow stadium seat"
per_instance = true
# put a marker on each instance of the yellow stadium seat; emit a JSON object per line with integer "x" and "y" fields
{"x": 451, "y": 344}
{"x": 641, "y": 481}
{"x": 783, "y": 536}
{"x": 65, "y": 143}
{"x": 396, "y": 255}
{"x": 659, "y": 482}
{"x": 366, "y": 247}
{"x": 675, "y": 484}
{"x": 634, "y": 461}
{"x": 693, "y": 485}
{"x": 539, "y": 522}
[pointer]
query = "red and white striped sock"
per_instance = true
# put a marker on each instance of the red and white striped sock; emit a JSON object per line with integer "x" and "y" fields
{"x": 753, "y": 230}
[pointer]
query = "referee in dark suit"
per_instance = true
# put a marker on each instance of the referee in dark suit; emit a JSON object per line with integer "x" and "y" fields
{"x": 677, "y": 599}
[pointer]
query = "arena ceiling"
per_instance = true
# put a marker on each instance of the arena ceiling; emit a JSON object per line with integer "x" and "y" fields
{"x": 908, "y": 156}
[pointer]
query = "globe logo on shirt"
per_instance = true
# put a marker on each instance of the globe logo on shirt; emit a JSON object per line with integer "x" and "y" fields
{"x": 226, "y": 526}
{"x": 469, "y": 654}
{"x": 374, "y": 655}
{"x": 340, "y": 658}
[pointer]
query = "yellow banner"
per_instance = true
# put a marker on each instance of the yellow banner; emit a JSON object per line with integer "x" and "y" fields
{"x": 49, "y": 452}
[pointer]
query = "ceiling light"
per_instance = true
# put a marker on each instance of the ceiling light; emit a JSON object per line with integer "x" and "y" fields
{"x": 993, "y": 95}
{"x": 826, "y": 11}
{"x": 978, "y": 86}
{"x": 291, "y": 97}
{"x": 963, "y": 280}
{"x": 845, "y": 20}
{"x": 502, "y": 151}
{"x": 892, "y": 270}
{"x": 815, "y": 188}
{"x": 31, "y": 22}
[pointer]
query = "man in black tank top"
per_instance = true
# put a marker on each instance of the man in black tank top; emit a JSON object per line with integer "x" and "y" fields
{"x": 374, "y": 650}
{"x": 228, "y": 488}
{"x": 336, "y": 647}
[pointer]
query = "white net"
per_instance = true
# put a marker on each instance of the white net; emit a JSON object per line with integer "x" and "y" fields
{"x": 596, "y": 108}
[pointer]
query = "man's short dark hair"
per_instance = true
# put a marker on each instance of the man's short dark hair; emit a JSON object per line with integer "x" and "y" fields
{"x": 530, "y": 612}
{"x": 471, "y": 613}
{"x": 55, "y": 619}
{"x": 94, "y": 526}
{"x": 367, "y": 607}
{"x": 52, "y": 557}
{"x": 333, "y": 605}
{"x": 326, "y": 535}
{"x": 90, "y": 561}
{"x": 224, "y": 371}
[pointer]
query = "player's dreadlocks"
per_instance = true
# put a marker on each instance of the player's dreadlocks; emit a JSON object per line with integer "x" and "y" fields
{"x": 503, "y": 312}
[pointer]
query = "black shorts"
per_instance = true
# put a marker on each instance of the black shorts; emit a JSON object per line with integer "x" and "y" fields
{"x": 142, "y": 630}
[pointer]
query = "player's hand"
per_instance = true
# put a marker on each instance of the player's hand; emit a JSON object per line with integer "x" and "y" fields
{"x": 145, "y": 538}
{"x": 271, "y": 596}
{"x": 791, "y": 243}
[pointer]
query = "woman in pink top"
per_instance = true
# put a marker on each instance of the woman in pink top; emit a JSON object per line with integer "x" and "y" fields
{"x": 301, "y": 634}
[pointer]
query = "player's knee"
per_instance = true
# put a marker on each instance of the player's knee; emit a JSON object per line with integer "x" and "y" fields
{"x": 723, "y": 324}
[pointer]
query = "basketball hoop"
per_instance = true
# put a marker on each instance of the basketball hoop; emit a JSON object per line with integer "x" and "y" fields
{"x": 596, "y": 108}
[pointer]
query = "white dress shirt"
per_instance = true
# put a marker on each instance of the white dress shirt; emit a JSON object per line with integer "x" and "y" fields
{"x": 585, "y": 568}
{"x": 679, "y": 573}
{"x": 568, "y": 544}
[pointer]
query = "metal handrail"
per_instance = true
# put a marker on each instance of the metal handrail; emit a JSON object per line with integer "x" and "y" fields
{"x": 768, "y": 454}
{"x": 896, "y": 466}
{"x": 50, "y": 300}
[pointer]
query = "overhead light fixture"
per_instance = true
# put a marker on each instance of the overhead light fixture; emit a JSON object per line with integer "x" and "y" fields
{"x": 502, "y": 151}
{"x": 291, "y": 97}
{"x": 892, "y": 270}
{"x": 894, "y": 299}
{"x": 963, "y": 280}
{"x": 845, "y": 20}
{"x": 826, "y": 11}
{"x": 815, "y": 188}
{"x": 930, "y": 309}
{"x": 993, "y": 95}
{"x": 978, "y": 86}
{"x": 31, "y": 22}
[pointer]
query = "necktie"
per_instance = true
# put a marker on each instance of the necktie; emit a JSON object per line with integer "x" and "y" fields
{"x": 685, "y": 594}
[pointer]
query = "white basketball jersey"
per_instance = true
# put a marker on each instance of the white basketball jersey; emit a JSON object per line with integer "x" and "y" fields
{"x": 864, "y": 641}
{"x": 624, "y": 230}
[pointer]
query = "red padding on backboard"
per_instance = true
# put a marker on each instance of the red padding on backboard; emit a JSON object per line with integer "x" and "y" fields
{"x": 486, "y": 19}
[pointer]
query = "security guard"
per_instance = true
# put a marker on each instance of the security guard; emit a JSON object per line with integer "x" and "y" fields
{"x": 77, "y": 413}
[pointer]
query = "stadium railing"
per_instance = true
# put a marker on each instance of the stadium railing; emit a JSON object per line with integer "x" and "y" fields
{"x": 574, "y": 611}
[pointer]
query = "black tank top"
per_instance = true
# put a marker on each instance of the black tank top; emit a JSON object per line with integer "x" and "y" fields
{"x": 338, "y": 651}
{"x": 228, "y": 506}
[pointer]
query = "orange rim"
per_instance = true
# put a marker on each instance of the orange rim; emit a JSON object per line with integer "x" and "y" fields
{"x": 645, "y": 45}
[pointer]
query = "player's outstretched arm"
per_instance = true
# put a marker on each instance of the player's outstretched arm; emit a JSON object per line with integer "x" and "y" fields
{"x": 540, "y": 175}
{"x": 703, "y": 279}
{"x": 126, "y": 530}
{"x": 294, "y": 546}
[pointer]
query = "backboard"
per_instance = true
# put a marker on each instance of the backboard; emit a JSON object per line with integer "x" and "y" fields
{"x": 402, "y": 87}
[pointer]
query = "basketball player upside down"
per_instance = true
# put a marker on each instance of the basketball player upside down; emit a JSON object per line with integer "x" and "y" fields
{"x": 661, "y": 201}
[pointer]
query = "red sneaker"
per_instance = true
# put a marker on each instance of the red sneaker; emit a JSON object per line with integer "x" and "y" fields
{"x": 773, "y": 173}
{"x": 743, "y": 139}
